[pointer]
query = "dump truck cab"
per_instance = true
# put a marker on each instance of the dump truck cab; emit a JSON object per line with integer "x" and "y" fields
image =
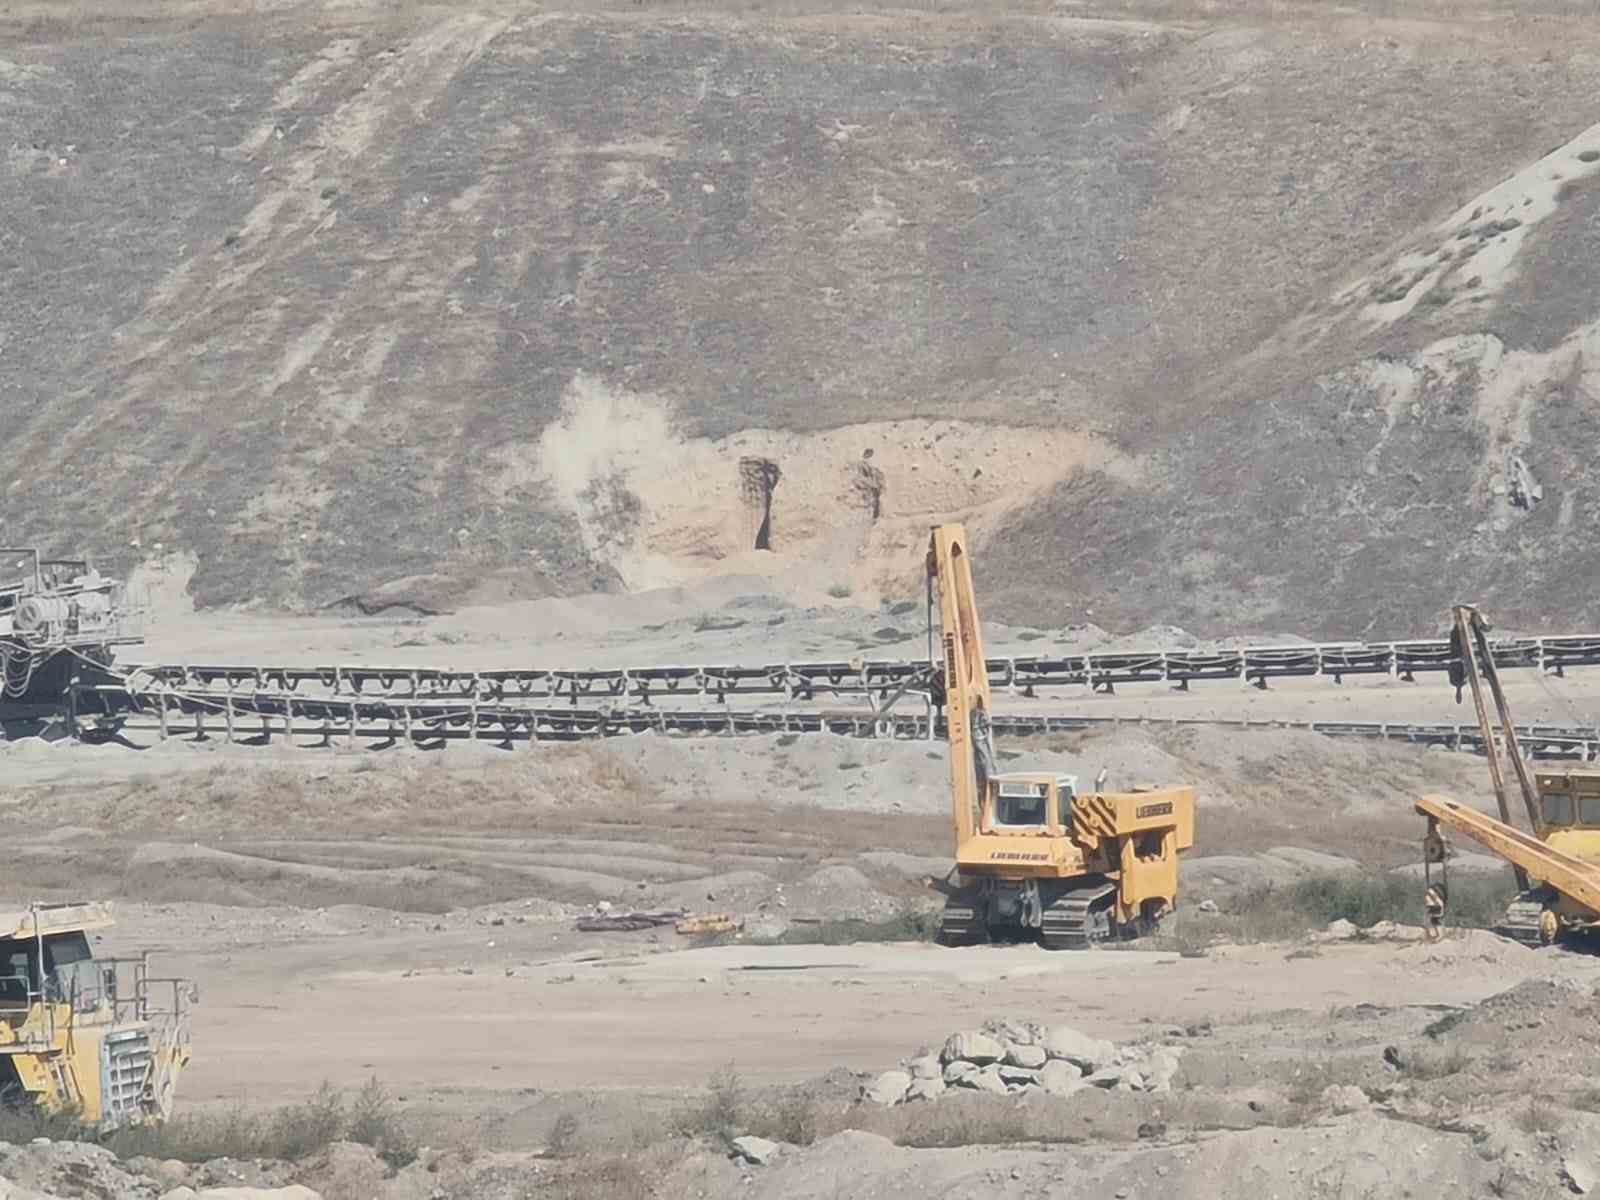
{"x": 101, "y": 1038}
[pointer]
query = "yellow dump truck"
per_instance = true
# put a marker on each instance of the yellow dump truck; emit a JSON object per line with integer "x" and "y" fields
{"x": 98, "y": 1038}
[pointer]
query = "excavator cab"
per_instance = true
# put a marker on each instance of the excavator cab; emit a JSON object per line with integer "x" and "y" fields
{"x": 1569, "y": 803}
{"x": 1021, "y": 803}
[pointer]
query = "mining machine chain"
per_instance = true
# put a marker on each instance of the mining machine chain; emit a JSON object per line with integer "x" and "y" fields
{"x": 959, "y": 924}
{"x": 1523, "y": 917}
{"x": 1078, "y": 919}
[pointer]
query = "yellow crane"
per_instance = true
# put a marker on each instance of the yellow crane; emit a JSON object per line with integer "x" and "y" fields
{"x": 1564, "y": 860}
{"x": 1034, "y": 855}
{"x": 1557, "y": 865}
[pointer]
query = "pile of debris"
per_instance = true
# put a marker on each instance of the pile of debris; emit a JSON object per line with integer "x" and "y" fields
{"x": 606, "y": 919}
{"x": 1007, "y": 1057}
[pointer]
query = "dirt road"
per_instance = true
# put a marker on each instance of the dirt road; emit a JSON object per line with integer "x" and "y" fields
{"x": 277, "y": 1019}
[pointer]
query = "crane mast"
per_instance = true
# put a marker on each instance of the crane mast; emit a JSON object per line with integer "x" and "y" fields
{"x": 966, "y": 677}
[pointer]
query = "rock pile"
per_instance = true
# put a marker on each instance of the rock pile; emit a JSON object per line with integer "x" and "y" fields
{"x": 1008, "y": 1057}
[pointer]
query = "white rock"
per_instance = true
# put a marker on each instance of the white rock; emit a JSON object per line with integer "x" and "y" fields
{"x": 925, "y": 1089}
{"x": 986, "y": 1080}
{"x": 1207, "y": 906}
{"x": 1133, "y": 1081}
{"x": 1087, "y": 1053}
{"x": 1340, "y": 930}
{"x": 979, "y": 1048}
{"x": 1105, "y": 1077}
{"x": 889, "y": 1088}
{"x": 1344, "y": 1098}
{"x": 1162, "y": 1068}
{"x": 925, "y": 1067}
{"x": 1390, "y": 931}
{"x": 1060, "y": 1078}
{"x": 756, "y": 1150}
{"x": 958, "y": 1070}
{"x": 1012, "y": 1033}
{"x": 1018, "y": 1076}
{"x": 1032, "y": 1057}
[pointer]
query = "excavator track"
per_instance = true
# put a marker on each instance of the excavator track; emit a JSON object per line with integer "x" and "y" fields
{"x": 1078, "y": 919}
{"x": 959, "y": 924}
{"x": 1521, "y": 922}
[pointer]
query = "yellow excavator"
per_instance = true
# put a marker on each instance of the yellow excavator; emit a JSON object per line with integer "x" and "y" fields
{"x": 1558, "y": 865}
{"x": 1036, "y": 857}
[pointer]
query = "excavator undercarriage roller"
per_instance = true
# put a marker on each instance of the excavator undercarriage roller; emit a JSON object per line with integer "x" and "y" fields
{"x": 1074, "y": 919}
{"x": 960, "y": 925}
{"x": 1529, "y": 919}
{"x": 1079, "y": 918}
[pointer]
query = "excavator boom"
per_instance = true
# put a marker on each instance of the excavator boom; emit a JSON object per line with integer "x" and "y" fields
{"x": 1566, "y": 893}
{"x": 1574, "y": 876}
{"x": 966, "y": 674}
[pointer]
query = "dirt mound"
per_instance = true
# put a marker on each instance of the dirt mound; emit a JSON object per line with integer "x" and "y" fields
{"x": 838, "y": 892}
{"x": 1353, "y": 1156}
{"x": 162, "y": 871}
{"x": 1547, "y": 1004}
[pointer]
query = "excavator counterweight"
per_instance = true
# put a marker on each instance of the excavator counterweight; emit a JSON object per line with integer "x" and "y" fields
{"x": 1035, "y": 856}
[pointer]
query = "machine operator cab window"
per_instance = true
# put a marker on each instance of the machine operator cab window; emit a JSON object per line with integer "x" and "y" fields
{"x": 1025, "y": 803}
{"x": 69, "y": 969}
{"x": 1569, "y": 799}
{"x": 1559, "y": 810}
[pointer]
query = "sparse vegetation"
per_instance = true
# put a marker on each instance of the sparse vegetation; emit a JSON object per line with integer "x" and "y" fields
{"x": 563, "y": 1135}
{"x": 1585, "y": 1099}
{"x": 1290, "y": 911}
{"x": 1312, "y": 1077}
{"x": 1425, "y": 1062}
{"x": 722, "y": 1113}
{"x": 1539, "y": 1115}
{"x": 292, "y": 1132}
{"x": 840, "y": 591}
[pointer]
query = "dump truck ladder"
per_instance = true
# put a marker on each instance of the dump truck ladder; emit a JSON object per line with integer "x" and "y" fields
{"x": 1571, "y": 877}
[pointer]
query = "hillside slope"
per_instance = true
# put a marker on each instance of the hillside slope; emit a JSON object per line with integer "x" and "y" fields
{"x": 452, "y": 303}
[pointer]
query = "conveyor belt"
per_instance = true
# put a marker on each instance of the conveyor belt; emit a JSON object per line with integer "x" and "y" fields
{"x": 266, "y": 715}
{"x": 1026, "y": 676}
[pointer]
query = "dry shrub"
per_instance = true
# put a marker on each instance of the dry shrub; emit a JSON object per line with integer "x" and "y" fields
{"x": 1540, "y": 1116}
{"x": 724, "y": 1112}
{"x": 289, "y": 1133}
{"x": 1287, "y": 912}
{"x": 600, "y": 1177}
{"x": 1425, "y": 1063}
{"x": 1314, "y": 1076}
